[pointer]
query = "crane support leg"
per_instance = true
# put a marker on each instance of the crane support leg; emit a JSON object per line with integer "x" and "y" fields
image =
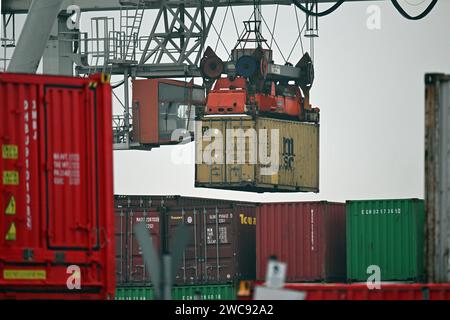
{"x": 35, "y": 34}
{"x": 58, "y": 54}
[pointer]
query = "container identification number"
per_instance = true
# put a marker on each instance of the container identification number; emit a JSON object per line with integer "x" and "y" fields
{"x": 382, "y": 211}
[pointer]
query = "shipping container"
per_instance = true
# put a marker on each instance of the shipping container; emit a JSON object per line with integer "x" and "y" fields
{"x": 360, "y": 291}
{"x": 437, "y": 176}
{"x": 388, "y": 291}
{"x": 198, "y": 292}
{"x": 308, "y": 236}
{"x": 162, "y": 106}
{"x": 385, "y": 237}
{"x": 57, "y": 205}
{"x": 222, "y": 237}
{"x": 272, "y": 155}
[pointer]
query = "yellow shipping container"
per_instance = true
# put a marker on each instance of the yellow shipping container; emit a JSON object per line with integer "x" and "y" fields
{"x": 262, "y": 154}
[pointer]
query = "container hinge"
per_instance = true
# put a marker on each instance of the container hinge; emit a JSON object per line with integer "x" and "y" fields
{"x": 28, "y": 254}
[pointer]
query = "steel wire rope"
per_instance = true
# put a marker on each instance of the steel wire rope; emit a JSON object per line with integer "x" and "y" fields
{"x": 299, "y": 37}
{"x": 276, "y": 44}
{"x": 221, "y": 28}
{"x": 274, "y": 23}
{"x": 218, "y": 35}
{"x": 419, "y": 16}
{"x": 318, "y": 14}
{"x": 234, "y": 20}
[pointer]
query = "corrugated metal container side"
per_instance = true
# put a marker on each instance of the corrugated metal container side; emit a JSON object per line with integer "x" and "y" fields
{"x": 388, "y": 234}
{"x": 308, "y": 236}
{"x": 120, "y": 241}
{"x": 136, "y": 271}
{"x": 298, "y": 154}
{"x": 437, "y": 176}
{"x": 157, "y": 201}
{"x": 223, "y": 235}
{"x": 56, "y": 186}
{"x": 361, "y": 292}
{"x": 204, "y": 292}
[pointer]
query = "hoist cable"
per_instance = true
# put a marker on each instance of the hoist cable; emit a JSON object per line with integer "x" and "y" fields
{"x": 299, "y": 37}
{"x": 299, "y": 32}
{"x": 418, "y": 17}
{"x": 218, "y": 35}
{"x": 221, "y": 28}
{"x": 234, "y": 20}
{"x": 275, "y": 41}
{"x": 274, "y": 23}
{"x": 318, "y": 14}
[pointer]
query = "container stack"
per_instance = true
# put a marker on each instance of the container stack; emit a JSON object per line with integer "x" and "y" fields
{"x": 220, "y": 251}
{"x": 332, "y": 250}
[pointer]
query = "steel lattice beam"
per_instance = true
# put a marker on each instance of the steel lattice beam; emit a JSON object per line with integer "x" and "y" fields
{"x": 190, "y": 32}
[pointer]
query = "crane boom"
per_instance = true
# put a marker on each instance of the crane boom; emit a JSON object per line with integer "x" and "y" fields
{"x": 22, "y": 6}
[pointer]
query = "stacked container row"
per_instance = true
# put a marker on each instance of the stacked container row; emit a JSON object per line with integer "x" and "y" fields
{"x": 323, "y": 241}
{"x": 222, "y": 238}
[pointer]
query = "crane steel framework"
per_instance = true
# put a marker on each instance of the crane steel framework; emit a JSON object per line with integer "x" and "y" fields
{"x": 174, "y": 52}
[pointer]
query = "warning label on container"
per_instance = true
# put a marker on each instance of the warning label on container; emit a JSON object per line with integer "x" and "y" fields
{"x": 10, "y": 151}
{"x": 11, "y": 208}
{"x": 66, "y": 169}
{"x": 24, "y": 274}
{"x": 11, "y": 234}
{"x": 11, "y": 178}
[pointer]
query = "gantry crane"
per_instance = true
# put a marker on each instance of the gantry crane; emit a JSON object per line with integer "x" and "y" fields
{"x": 173, "y": 52}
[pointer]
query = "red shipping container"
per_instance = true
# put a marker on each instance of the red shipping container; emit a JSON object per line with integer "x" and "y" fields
{"x": 360, "y": 291}
{"x": 388, "y": 291}
{"x": 308, "y": 236}
{"x": 56, "y": 187}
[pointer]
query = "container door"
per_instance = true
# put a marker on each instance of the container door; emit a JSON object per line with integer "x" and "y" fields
{"x": 243, "y": 152}
{"x": 137, "y": 272}
{"x": 189, "y": 271}
{"x": 218, "y": 237}
{"x": 71, "y": 160}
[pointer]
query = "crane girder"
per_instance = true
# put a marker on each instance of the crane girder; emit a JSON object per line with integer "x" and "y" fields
{"x": 21, "y": 6}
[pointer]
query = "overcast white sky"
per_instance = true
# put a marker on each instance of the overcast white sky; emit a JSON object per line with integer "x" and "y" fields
{"x": 370, "y": 89}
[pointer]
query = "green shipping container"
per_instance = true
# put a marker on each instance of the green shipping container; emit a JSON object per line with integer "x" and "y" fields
{"x": 388, "y": 234}
{"x": 207, "y": 292}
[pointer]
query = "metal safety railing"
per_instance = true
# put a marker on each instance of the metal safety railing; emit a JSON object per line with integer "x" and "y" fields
{"x": 120, "y": 130}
